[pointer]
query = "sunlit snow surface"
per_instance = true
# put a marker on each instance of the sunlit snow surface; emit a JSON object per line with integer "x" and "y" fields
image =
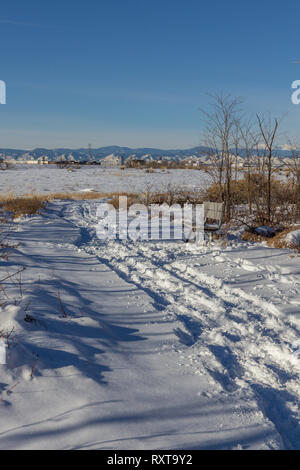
{"x": 23, "y": 179}
{"x": 146, "y": 344}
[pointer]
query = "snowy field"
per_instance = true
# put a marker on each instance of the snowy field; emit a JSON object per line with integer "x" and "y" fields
{"x": 23, "y": 179}
{"x": 146, "y": 345}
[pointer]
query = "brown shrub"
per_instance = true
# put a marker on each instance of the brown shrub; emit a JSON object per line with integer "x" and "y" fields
{"x": 171, "y": 196}
{"x": 281, "y": 191}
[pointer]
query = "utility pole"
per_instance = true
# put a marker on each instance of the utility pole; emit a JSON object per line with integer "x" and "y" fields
{"x": 90, "y": 158}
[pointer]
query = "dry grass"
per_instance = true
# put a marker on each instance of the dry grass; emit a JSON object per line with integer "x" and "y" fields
{"x": 277, "y": 241}
{"x": 253, "y": 237}
{"x": 21, "y": 205}
{"x": 282, "y": 192}
{"x": 170, "y": 197}
{"x": 131, "y": 199}
{"x": 30, "y": 204}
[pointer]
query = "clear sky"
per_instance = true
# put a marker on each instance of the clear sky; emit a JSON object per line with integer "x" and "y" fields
{"x": 135, "y": 72}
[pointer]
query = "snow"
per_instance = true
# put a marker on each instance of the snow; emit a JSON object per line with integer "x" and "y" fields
{"x": 293, "y": 238}
{"x": 43, "y": 179}
{"x": 147, "y": 344}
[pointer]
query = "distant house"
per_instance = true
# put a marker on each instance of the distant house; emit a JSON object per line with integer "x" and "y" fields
{"x": 9, "y": 161}
{"x": 112, "y": 160}
{"x": 28, "y": 159}
{"x": 43, "y": 160}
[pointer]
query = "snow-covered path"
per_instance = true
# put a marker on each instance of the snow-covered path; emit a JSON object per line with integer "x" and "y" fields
{"x": 243, "y": 340}
{"x": 163, "y": 345}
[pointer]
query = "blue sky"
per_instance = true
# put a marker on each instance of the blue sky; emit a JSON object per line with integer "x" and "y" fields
{"x": 136, "y": 72}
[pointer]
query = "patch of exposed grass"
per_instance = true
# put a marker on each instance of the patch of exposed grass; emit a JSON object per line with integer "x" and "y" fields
{"x": 30, "y": 204}
{"x": 25, "y": 205}
{"x": 279, "y": 240}
{"x": 170, "y": 197}
{"x": 253, "y": 237}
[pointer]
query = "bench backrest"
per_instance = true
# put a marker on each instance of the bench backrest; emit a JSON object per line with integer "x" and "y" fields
{"x": 213, "y": 210}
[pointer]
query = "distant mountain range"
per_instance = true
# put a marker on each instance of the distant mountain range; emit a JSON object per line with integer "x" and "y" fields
{"x": 124, "y": 152}
{"x": 102, "y": 152}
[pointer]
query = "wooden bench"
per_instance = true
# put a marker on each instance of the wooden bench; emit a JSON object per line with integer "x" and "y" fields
{"x": 213, "y": 213}
{"x": 213, "y": 216}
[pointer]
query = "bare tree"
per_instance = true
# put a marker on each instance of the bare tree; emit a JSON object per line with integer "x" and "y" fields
{"x": 293, "y": 164}
{"x": 268, "y": 129}
{"x": 236, "y": 141}
{"x": 216, "y": 168}
{"x": 221, "y": 134}
{"x": 249, "y": 140}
